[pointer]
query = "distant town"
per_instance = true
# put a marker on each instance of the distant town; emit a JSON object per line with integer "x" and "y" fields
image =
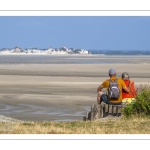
{"x": 62, "y": 50}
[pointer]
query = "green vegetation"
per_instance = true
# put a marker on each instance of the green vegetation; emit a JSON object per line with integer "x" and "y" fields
{"x": 141, "y": 106}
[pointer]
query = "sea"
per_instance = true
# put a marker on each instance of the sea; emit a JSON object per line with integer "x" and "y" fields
{"x": 72, "y": 59}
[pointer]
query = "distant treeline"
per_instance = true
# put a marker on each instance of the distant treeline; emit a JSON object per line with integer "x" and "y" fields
{"x": 111, "y": 52}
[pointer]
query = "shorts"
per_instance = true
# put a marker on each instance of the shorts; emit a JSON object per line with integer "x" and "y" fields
{"x": 128, "y": 100}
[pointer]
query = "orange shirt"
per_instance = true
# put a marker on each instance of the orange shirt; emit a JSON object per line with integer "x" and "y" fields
{"x": 121, "y": 84}
{"x": 132, "y": 93}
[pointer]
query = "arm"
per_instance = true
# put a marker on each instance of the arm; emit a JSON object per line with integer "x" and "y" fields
{"x": 100, "y": 88}
{"x": 127, "y": 89}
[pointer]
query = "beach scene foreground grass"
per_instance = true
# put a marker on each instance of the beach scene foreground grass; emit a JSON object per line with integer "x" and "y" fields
{"x": 137, "y": 125}
{"x": 135, "y": 119}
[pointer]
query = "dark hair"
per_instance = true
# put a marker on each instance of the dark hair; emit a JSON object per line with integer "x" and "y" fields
{"x": 125, "y": 75}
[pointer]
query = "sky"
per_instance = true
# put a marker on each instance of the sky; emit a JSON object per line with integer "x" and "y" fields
{"x": 87, "y": 32}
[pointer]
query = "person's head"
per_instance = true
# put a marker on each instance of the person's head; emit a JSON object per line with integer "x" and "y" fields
{"x": 112, "y": 72}
{"x": 125, "y": 76}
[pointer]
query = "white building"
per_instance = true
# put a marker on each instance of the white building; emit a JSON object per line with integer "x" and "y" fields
{"x": 83, "y": 51}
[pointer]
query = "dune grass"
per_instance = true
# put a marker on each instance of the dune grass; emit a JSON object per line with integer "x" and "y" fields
{"x": 119, "y": 126}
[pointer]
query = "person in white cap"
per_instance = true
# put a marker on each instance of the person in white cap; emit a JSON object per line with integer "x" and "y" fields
{"x": 106, "y": 84}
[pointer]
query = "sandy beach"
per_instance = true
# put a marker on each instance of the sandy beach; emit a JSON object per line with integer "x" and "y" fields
{"x": 60, "y": 89}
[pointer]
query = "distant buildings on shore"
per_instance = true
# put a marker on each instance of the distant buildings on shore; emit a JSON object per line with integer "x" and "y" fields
{"x": 65, "y": 51}
{"x": 62, "y": 50}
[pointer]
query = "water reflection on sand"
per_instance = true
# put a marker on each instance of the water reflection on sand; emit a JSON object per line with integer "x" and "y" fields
{"x": 60, "y": 88}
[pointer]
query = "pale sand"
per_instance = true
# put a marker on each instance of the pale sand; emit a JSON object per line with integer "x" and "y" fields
{"x": 57, "y": 92}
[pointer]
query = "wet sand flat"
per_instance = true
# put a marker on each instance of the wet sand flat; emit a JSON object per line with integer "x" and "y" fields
{"x": 60, "y": 91}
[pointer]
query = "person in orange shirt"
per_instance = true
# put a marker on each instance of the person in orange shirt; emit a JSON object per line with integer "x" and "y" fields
{"x": 128, "y": 97}
{"x": 106, "y": 84}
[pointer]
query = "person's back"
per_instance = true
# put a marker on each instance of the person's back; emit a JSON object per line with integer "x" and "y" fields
{"x": 128, "y": 97}
{"x": 120, "y": 82}
{"x": 106, "y": 84}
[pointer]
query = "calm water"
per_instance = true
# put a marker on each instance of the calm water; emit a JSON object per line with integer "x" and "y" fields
{"x": 69, "y": 59}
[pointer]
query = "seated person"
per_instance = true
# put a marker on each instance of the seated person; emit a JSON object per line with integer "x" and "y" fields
{"x": 128, "y": 97}
{"x": 106, "y": 84}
